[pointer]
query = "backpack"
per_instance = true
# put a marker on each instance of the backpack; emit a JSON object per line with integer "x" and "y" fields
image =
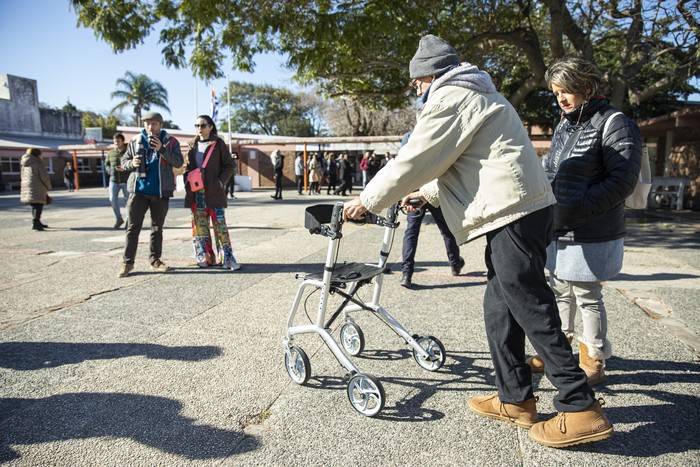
{"x": 639, "y": 197}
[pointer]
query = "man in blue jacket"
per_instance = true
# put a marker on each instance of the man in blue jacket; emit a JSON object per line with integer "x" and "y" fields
{"x": 150, "y": 157}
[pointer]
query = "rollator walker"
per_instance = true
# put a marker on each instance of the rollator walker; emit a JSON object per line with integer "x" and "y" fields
{"x": 364, "y": 390}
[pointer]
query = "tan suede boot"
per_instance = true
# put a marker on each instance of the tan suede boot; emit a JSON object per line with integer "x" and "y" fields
{"x": 537, "y": 364}
{"x": 523, "y": 415}
{"x": 570, "y": 428}
{"x": 595, "y": 369}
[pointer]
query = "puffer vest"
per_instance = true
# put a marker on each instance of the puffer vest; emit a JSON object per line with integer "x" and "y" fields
{"x": 590, "y": 183}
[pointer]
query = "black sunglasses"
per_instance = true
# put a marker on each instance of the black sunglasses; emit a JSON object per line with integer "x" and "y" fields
{"x": 201, "y": 125}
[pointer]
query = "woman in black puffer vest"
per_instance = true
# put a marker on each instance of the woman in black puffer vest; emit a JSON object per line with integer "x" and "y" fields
{"x": 594, "y": 165}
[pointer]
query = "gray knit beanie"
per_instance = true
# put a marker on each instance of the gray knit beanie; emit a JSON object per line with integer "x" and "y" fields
{"x": 433, "y": 57}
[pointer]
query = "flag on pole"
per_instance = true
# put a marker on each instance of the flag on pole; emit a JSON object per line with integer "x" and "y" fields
{"x": 214, "y": 104}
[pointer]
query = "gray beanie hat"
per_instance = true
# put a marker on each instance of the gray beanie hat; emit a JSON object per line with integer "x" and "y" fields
{"x": 433, "y": 57}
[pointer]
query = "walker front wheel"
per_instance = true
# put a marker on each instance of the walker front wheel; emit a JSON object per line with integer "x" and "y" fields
{"x": 298, "y": 365}
{"x": 435, "y": 351}
{"x": 352, "y": 339}
{"x": 366, "y": 394}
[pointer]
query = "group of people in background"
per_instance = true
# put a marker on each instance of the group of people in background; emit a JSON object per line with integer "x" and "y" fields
{"x": 142, "y": 170}
{"x": 372, "y": 163}
{"x": 336, "y": 174}
{"x": 470, "y": 162}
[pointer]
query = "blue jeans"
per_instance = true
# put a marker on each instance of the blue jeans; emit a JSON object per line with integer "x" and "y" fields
{"x": 114, "y": 189}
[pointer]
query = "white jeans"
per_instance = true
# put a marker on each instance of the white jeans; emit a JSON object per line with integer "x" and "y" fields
{"x": 588, "y": 297}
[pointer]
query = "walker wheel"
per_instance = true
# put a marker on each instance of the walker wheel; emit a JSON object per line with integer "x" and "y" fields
{"x": 298, "y": 365}
{"x": 352, "y": 339}
{"x": 366, "y": 394}
{"x": 435, "y": 350}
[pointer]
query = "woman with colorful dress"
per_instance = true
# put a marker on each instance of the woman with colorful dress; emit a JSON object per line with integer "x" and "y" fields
{"x": 210, "y": 154}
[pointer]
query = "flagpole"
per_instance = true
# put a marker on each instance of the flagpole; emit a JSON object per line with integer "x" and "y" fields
{"x": 228, "y": 106}
{"x": 195, "y": 99}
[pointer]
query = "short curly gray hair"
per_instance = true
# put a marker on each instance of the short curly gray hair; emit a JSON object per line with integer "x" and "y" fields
{"x": 575, "y": 75}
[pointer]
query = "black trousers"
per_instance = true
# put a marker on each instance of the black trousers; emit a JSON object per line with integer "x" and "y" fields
{"x": 332, "y": 182}
{"x": 519, "y": 303}
{"x": 300, "y": 183}
{"x": 414, "y": 219}
{"x": 278, "y": 185}
{"x": 37, "y": 209}
{"x": 345, "y": 186}
{"x": 137, "y": 206}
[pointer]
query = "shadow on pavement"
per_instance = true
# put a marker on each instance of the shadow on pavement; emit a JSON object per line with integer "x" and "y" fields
{"x": 459, "y": 367}
{"x": 667, "y": 427}
{"x": 149, "y": 420}
{"x": 26, "y": 356}
{"x": 653, "y": 277}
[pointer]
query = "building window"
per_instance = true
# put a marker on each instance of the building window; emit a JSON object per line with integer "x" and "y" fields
{"x": 10, "y": 165}
{"x": 84, "y": 165}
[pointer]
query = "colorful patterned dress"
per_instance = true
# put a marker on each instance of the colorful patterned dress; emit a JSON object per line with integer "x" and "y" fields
{"x": 202, "y": 218}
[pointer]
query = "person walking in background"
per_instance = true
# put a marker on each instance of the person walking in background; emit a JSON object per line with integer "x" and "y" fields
{"x": 471, "y": 155}
{"x": 364, "y": 167}
{"x": 345, "y": 175}
{"x": 332, "y": 169}
{"x": 69, "y": 176}
{"x": 150, "y": 158}
{"x": 299, "y": 173}
{"x": 375, "y": 163}
{"x": 350, "y": 173}
{"x": 324, "y": 171}
{"x": 209, "y": 154}
{"x": 592, "y": 169}
{"x": 414, "y": 219}
{"x": 34, "y": 185}
{"x": 117, "y": 176}
{"x": 231, "y": 184}
{"x": 278, "y": 164}
{"x": 315, "y": 175}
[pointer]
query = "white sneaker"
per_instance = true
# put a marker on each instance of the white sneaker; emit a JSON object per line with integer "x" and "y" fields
{"x": 233, "y": 266}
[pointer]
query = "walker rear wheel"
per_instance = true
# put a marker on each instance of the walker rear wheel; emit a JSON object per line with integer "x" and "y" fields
{"x": 352, "y": 339}
{"x": 298, "y": 365}
{"x": 366, "y": 394}
{"x": 435, "y": 350}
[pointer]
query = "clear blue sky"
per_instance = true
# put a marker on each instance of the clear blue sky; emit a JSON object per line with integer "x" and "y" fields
{"x": 39, "y": 40}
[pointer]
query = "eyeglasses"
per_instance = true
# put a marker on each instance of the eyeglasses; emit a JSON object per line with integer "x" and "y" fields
{"x": 201, "y": 125}
{"x": 415, "y": 83}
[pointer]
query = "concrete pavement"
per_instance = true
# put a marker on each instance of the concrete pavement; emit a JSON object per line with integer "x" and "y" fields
{"x": 186, "y": 367}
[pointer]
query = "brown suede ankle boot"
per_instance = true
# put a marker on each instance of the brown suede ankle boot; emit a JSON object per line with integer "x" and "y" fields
{"x": 595, "y": 369}
{"x": 523, "y": 415}
{"x": 570, "y": 428}
{"x": 537, "y": 364}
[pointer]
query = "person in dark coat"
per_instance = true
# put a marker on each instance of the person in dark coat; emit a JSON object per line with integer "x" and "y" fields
{"x": 593, "y": 165}
{"x": 277, "y": 160}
